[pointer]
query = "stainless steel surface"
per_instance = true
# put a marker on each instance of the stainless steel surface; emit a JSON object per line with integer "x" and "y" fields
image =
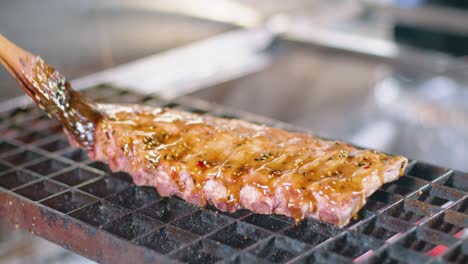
{"x": 438, "y": 17}
{"x": 224, "y": 11}
{"x": 80, "y": 37}
{"x": 429, "y": 117}
{"x": 181, "y": 70}
{"x": 355, "y": 29}
{"x": 317, "y": 90}
{"x": 184, "y": 69}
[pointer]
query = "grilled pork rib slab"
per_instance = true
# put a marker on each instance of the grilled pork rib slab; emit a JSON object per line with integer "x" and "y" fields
{"x": 234, "y": 164}
{"x": 231, "y": 164}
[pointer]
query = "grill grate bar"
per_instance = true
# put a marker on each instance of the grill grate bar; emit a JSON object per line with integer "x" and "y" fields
{"x": 80, "y": 204}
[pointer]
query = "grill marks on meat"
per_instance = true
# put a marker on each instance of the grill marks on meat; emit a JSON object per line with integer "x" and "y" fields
{"x": 231, "y": 164}
{"x": 234, "y": 164}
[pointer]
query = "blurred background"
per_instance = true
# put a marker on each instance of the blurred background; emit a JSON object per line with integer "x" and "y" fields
{"x": 389, "y": 75}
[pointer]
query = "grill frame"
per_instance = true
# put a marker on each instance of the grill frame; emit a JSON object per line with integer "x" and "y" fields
{"x": 89, "y": 213}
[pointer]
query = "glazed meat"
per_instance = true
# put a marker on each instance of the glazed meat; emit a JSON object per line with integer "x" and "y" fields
{"x": 231, "y": 164}
{"x": 234, "y": 164}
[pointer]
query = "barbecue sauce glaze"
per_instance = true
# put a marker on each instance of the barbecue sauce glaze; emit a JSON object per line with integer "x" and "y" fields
{"x": 236, "y": 154}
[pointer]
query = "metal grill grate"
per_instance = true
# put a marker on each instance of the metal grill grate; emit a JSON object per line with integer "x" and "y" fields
{"x": 55, "y": 191}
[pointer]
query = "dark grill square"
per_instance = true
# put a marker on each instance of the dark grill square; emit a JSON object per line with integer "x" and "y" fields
{"x": 75, "y": 176}
{"x": 266, "y": 221}
{"x": 458, "y": 254}
{"x": 237, "y": 214}
{"x": 100, "y": 166}
{"x": 122, "y": 176}
{"x": 25, "y": 113}
{"x": 396, "y": 254}
{"x": 69, "y": 201}
{"x": 422, "y": 241}
{"x": 377, "y": 228}
{"x": 55, "y": 145}
{"x": 31, "y": 137}
{"x": 285, "y": 218}
{"x": 323, "y": 257}
{"x": 380, "y": 200}
{"x": 461, "y": 206}
{"x": 47, "y": 167}
{"x": 457, "y": 180}
{"x": 77, "y": 155}
{"x": 52, "y": 129}
{"x": 6, "y": 147}
{"x": 40, "y": 190}
{"x": 279, "y": 249}
{"x": 4, "y": 168}
{"x": 167, "y": 239}
{"x": 15, "y": 179}
{"x": 403, "y": 212}
{"x": 41, "y": 122}
{"x": 21, "y": 157}
{"x": 10, "y": 132}
{"x": 135, "y": 197}
{"x": 311, "y": 231}
{"x": 105, "y": 187}
{"x": 426, "y": 172}
{"x": 204, "y": 251}
{"x": 99, "y": 213}
{"x": 358, "y": 217}
{"x": 448, "y": 222}
{"x": 35, "y": 123}
{"x": 168, "y": 210}
{"x": 239, "y": 235}
{"x": 245, "y": 257}
{"x": 22, "y": 112}
{"x": 132, "y": 226}
{"x": 353, "y": 245}
{"x": 202, "y": 222}
{"x": 405, "y": 185}
{"x": 438, "y": 196}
